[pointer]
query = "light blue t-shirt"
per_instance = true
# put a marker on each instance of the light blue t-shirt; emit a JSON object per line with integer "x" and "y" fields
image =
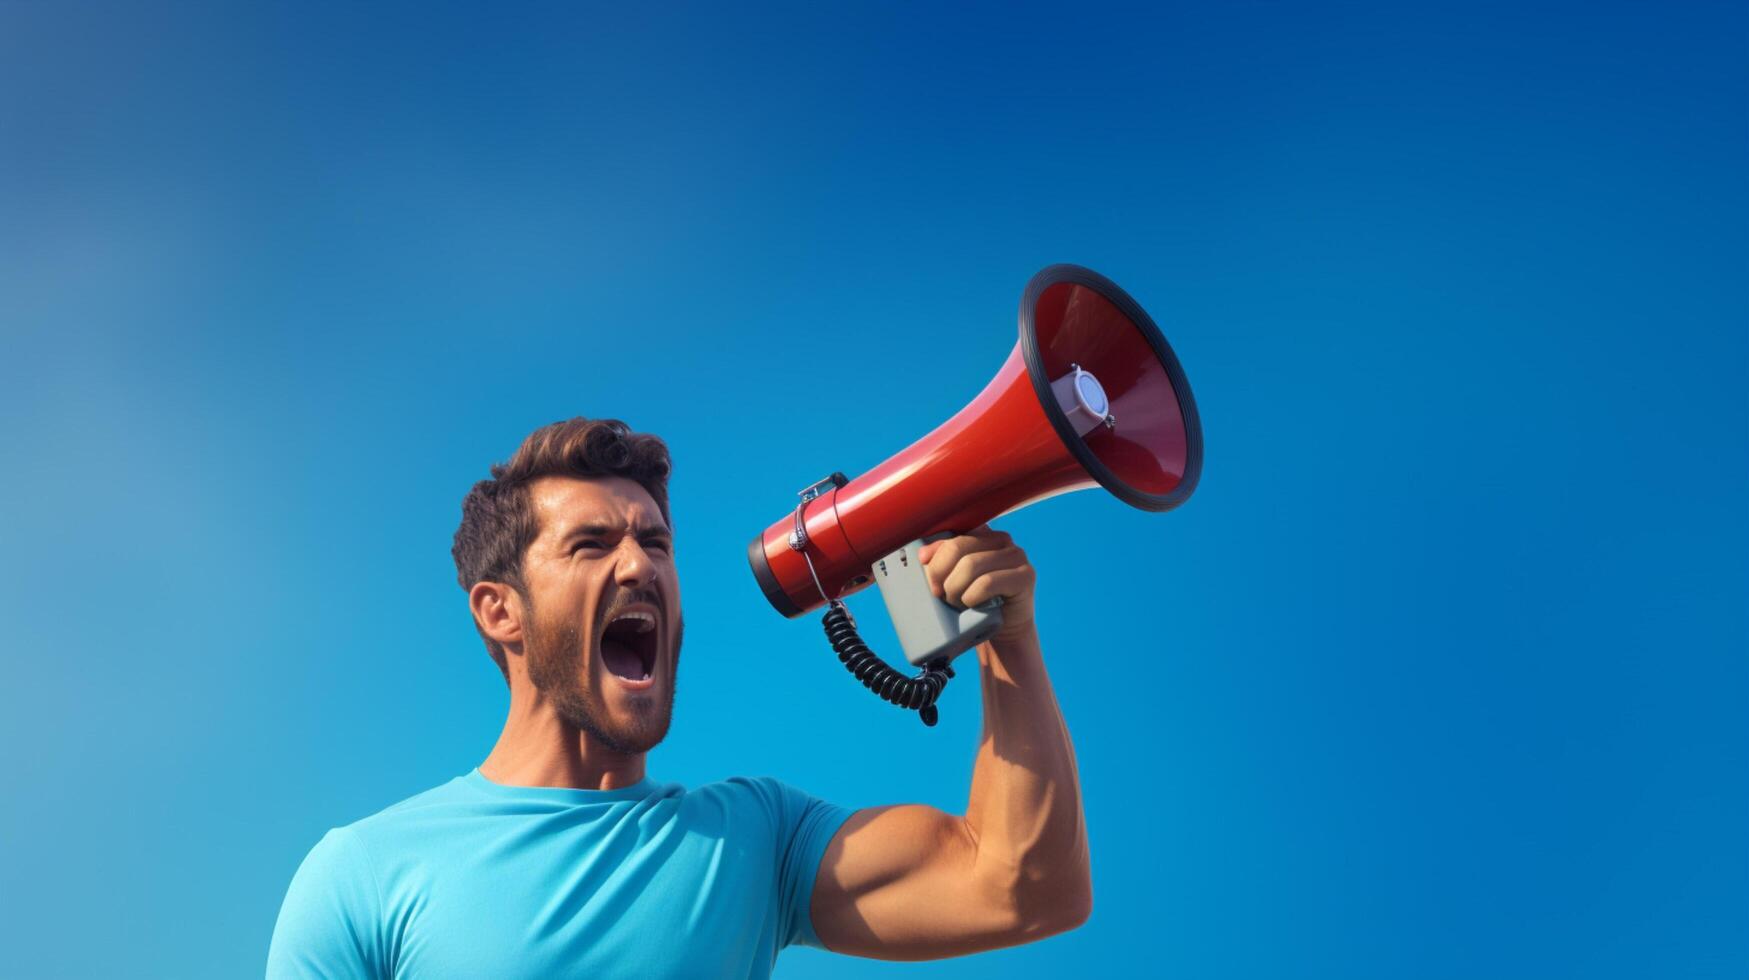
{"x": 479, "y": 879}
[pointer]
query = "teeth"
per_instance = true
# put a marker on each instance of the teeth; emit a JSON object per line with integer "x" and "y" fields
{"x": 646, "y": 622}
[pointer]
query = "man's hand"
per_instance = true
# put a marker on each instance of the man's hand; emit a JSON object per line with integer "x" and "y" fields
{"x": 913, "y": 882}
{"x": 974, "y": 568}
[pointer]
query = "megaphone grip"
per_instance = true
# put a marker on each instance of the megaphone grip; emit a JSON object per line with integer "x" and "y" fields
{"x": 917, "y": 693}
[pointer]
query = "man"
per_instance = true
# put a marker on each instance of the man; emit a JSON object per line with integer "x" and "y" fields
{"x": 559, "y": 856}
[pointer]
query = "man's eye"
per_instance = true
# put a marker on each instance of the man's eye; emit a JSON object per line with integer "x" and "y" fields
{"x": 657, "y": 544}
{"x": 588, "y": 544}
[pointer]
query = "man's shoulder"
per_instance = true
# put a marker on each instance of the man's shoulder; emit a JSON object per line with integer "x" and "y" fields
{"x": 763, "y": 786}
{"x": 784, "y": 806}
{"x": 449, "y": 792}
{"x": 336, "y": 904}
{"x": 744, "y": 791}
{"x": 391, "y": 820}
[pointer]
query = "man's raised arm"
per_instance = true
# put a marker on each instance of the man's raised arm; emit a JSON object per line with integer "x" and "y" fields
{"x": 912, "y": 882}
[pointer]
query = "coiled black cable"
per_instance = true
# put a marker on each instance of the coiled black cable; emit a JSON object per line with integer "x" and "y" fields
{"x": 914, "y": 693}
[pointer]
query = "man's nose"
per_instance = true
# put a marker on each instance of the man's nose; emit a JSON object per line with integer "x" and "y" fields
{"x": 634, "y": 569}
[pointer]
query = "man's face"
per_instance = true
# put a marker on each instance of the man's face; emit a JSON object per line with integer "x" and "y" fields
{"x": 604, "y": 627}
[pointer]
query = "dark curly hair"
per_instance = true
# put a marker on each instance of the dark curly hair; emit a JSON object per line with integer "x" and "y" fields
{"x": 498, "y": 520}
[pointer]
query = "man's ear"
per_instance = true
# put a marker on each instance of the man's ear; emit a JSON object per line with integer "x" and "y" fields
{"x": 498, "y": 611}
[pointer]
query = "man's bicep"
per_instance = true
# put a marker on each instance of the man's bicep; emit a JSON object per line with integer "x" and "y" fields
{"x": 901, "y": 883}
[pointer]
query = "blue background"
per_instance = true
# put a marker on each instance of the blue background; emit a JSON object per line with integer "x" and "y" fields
{"x": 1441, "y": 673}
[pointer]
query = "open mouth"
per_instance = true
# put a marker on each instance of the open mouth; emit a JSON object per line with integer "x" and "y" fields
{"x": 628, "y": 645}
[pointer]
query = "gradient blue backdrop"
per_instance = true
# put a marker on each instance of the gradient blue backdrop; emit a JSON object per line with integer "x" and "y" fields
{"x": 1441, "y": 673}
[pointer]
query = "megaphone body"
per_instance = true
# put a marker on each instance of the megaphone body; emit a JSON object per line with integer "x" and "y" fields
{"x": 1091, "y": 395}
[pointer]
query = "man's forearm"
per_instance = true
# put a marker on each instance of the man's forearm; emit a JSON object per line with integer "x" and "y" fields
{"x": 1025, "y": 805}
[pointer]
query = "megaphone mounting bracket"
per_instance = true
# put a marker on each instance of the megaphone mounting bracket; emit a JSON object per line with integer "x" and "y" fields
{"x": 798, "y": 539}
{"x": 819, "y": 487}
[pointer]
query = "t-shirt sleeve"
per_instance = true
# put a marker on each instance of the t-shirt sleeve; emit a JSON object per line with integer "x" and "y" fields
{"x": 805, "y": 826}
{"x": 329, "y": 924}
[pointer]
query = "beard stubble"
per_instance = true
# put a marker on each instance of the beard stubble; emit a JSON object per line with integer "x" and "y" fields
{"x": 556, "y": 667}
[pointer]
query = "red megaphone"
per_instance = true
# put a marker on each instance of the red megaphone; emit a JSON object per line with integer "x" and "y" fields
{"x": 1092, "y": 394}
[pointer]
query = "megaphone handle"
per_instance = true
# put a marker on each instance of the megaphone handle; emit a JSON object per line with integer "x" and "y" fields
{"x": 930, "y": 629}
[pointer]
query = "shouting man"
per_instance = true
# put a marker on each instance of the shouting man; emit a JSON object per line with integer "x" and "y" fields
{"x": 558, "y": 856}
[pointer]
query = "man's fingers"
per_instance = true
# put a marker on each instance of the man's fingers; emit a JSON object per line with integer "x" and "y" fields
{"x": 974, "y": 566}
{"x": 940, "y": 561}
{"x": 927, "y": 552}
{"x": 982, "y": 539}
{"x": 1003, "y": 582}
